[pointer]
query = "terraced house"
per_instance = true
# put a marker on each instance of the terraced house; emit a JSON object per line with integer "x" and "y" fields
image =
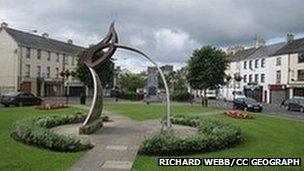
{"x": 33, "y": 63}
{"x": 270, "y": 73}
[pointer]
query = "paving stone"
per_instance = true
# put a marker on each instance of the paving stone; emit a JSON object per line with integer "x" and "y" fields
{"x": 112, "y": 164}
{"x": 116, "y": 147}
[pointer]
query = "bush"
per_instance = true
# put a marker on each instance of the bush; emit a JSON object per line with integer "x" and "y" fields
{"x": 130, "y": 95}
{"x": 35, "y": 132}
{"x": 212, "y": 135}
{"x": 181, "y": 96}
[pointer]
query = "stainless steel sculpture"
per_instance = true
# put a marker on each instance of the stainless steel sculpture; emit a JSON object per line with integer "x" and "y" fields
{"x": 95, "y": 56}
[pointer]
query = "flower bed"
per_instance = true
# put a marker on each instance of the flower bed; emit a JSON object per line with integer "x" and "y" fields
{"x": 35, "y": 131}
{"x": 48, "y": 106}
{"x": 238, "y": 114}
{"x": 212, "y": 135}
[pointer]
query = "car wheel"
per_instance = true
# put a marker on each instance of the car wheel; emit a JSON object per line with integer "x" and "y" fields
{"x": 286, "y": 107}
{"x": 301, "y": 109}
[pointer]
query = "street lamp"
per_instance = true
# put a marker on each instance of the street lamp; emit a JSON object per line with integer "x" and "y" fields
{"x": 67, "y": 74}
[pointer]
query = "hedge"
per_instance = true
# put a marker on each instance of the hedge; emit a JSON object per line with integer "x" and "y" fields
{"x": 181, "y": 96}
{"x": 212, "y": 135}
{"x": 35, "y": 131}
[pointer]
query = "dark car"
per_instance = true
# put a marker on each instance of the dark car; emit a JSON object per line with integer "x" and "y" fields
{"x": 294, "y": 104}
{"x": 20, "y": 99}
{"x": 247, "y": 104}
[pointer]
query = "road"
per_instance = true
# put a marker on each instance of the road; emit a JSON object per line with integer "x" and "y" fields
{"x": 268, "y": 109}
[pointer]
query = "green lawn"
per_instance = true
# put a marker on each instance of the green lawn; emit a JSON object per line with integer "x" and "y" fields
{"x": 16, "y": 156}
{"x": 264, "y": 136}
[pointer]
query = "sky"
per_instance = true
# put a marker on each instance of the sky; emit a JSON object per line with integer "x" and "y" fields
{"x": 167, "y": 30}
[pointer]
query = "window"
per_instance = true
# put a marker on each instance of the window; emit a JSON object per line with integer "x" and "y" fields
{"x": 49, "y": 56}
{"x": 300, "y": 57}
{"x": 65, "y": 59}
{"x": 256, "y": 63}
{"x": 38, "y": 71}
{"x": 245, "y": 78}
{"x": 57, "y": 57}
{"x": 245, "y": 65}
{"x": 48, "y": 72}
{"x": 57, "y": 72}
{"x": 250, "y": 78}
{"x": 28, "y": 52}
{"x": 278, "y": 61}
{"x": 278, "y": 77}
{"x": 300, "y": 75}
{"x": 27, "y": 70}
{"x": 38, "y": 53}
{"x": 263, "y": 63}
{"x": 73, "y": 60}
{"x": 256, "y": 78}
{"x": 250, "y": 64}
{"x": 262, "y": 78}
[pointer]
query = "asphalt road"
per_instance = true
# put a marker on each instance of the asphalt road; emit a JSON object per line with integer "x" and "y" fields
{"x": 268, "y": 109}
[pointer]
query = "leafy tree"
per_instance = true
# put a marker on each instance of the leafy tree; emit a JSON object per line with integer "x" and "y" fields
{"x": 131, "y": 82}
{"x": 105, "y": 73}
{"x": 206, "y": 69}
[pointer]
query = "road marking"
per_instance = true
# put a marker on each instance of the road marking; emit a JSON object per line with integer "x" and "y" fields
{"x": 116, "y": 147}
{"x": 114, "y": 164}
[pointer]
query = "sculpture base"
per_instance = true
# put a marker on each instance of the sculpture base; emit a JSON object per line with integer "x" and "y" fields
{"x": 92, "y": 127}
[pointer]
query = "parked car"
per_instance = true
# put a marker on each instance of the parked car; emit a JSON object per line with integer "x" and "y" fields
{"x": 20, "y": 99}
{"x": 247, "y": 104}
{"x": 294, "y": 104}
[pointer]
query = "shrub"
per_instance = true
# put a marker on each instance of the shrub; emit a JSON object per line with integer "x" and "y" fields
{"x": 34, "y": 131}
{"x": 238, "y": 114}
{"x": 130, "y": 95}
{"x": 212, "y": 135}
{"x": 181, "y": 96}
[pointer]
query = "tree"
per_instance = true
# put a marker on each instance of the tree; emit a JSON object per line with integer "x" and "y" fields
{"x": 131, "y": 82}
{"x": 206, "y": 69}
{"x": 105, "y": 73}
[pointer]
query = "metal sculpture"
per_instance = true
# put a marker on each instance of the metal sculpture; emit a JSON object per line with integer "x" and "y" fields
{"x": 96, "y": 55}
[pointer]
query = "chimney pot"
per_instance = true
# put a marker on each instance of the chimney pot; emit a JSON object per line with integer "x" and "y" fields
{"x": 45, "y": 35}
{"x": 290, "y": 37}
{"x": 4, "y": 25}
{"x": 70, "y": 41}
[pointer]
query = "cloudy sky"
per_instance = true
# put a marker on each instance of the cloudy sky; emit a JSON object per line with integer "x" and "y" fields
{"x": 168, "y": 30}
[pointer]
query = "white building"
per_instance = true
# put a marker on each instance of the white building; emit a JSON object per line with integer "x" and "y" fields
{"x": 32, "y": 63}
{"x": 270, "y": 73}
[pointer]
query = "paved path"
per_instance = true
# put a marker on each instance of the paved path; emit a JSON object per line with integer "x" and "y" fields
{"x": 116, "y": 143}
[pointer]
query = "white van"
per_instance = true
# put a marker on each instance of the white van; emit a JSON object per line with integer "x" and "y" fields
{"x": 230, "y": 94}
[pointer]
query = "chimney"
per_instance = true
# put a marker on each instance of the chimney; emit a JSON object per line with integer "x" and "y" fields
{"x": 259, "y": 42}
{"x": 70, "y": 41}
{"x": 289, "y": 37}
{"x": 45, "y": 35}
{"x": 4, "y": 25}
{"x": 233, "y": 49}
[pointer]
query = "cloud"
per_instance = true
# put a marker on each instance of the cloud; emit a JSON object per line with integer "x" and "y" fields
{"x": 168, "y": 30}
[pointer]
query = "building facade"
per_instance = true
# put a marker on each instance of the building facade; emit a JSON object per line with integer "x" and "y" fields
{"x": 33, "y": 63}
{"x": 270, "y": 73}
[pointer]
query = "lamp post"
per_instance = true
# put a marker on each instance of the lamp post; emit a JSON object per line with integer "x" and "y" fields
{"x": 66, "y": 74}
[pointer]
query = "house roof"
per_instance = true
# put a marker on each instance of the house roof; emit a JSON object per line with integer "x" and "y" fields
{"x": 39, "y": 42}
{"x": 242, "y": 54}
{"x": 266, "y": 51}
{"x": 294, "y": 46}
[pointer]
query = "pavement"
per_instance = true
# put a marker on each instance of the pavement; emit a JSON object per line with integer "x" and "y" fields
{"x": 117, "y": 142}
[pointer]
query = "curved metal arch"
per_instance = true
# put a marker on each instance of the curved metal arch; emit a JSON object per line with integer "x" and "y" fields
{"x": 168, "y": 121}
